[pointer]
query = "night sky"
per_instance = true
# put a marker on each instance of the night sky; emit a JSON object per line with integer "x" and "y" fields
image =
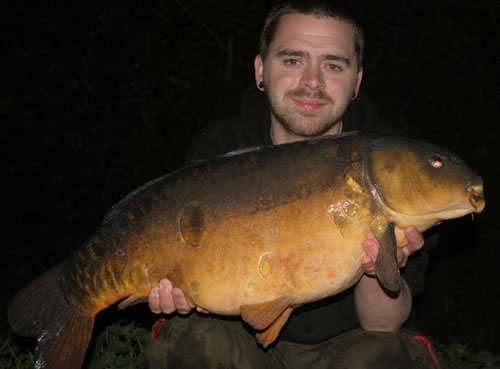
{"x": 99, "y": 97}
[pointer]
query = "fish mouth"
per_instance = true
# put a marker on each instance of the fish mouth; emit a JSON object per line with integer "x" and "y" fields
{"x": 476, "y": 196}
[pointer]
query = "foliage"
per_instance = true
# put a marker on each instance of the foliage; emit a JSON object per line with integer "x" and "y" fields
{"x": 117, "y": 346}
{"x": 12, "y": 356}
{"x": 461, "y": 357}
{"x": 120, "y": 346}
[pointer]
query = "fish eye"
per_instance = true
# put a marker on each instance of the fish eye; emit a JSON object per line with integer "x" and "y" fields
{"x": 436, "y": 161}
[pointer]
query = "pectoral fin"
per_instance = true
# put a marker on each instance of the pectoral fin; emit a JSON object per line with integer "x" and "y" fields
{"x": 387, "y": 261}
{"x": 260, "y": 316}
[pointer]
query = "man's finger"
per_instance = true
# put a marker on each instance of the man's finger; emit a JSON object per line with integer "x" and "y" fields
{"x": 166, "y": 301}
{"x": 180, "y": 301}
{"x": 370, "y": 236}
{"x": 368, "y": 265}
{"x": 402, "y": 254}
{"x": 371, "y": 246}
{"x": 154, "y": 300}
{"x": 415, "y": 239}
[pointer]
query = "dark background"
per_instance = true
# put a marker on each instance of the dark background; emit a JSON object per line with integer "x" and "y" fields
{"x": 97, "y": 98}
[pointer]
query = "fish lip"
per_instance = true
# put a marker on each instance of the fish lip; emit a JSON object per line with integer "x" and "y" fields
{"x": 476, "y": 196}
{"x": 477, "y": 202}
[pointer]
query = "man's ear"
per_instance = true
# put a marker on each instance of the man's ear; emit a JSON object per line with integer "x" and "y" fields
{"x": 358, "y": 83}
{"x": 258, "y": 65}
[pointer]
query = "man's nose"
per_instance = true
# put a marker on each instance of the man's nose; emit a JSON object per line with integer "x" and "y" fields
{"x": 312, "y": 77}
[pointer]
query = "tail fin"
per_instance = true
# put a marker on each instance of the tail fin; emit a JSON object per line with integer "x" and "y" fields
{"x": 64, "y": 342}
{"x": 41, "y": 310}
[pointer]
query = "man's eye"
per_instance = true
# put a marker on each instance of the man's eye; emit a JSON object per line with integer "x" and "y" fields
{"x": 334, "y": 67}
{"x": 291, "y": 62}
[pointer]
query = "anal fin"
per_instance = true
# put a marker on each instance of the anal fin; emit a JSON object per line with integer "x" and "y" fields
{"x": 266, "y": 337}
{"x": 260, "y": 316}
{"x": 132, "y": 300}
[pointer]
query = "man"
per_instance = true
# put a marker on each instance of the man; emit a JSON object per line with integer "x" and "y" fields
{"x": 310, "y": 68}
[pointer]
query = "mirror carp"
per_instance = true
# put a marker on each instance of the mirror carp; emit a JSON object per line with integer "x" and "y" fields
{"x": 254, "y": 234}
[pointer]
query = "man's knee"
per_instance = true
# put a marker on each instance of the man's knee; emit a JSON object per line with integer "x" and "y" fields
{"x": 186, "y": 342}
{"x": 402, "y": 349}
{"x": 201, "y": 341}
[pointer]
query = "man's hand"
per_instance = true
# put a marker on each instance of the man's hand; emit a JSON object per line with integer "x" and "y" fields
{"x": 376, "y": 310}
{"x": 168, "y": 299}
{"x": 371, "y": 247}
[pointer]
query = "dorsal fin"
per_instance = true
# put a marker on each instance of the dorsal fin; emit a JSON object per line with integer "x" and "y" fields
{"x": 121, "y": 206}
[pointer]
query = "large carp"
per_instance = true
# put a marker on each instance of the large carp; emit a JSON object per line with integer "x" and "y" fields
{"x": 254, "y": 235}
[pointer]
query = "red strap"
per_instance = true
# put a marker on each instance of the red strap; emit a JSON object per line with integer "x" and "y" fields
{"x": 155, "y": 330}
{"x": 427, "y": 344}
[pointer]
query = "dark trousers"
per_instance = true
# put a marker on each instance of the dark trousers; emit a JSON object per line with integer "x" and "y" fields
{"x": 205, "y": 342}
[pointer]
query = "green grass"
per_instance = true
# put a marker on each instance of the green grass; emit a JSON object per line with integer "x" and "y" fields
{"x": 12, "y": 356}
{"x": 117, "y": 346}
{"x": 121, "y": 346}
{"x": 461, "y": 357}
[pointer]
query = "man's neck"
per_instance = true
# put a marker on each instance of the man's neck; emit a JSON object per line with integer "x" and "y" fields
{"x": 281, "y": 135}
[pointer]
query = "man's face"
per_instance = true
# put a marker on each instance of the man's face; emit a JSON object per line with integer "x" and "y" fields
{"x": 310, "y": 73}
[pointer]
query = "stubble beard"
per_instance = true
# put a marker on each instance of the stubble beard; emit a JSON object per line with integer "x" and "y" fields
{"x": 315, "y": 125}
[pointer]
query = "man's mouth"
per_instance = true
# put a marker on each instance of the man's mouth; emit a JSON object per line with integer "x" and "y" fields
{"x": 309, "y": 105}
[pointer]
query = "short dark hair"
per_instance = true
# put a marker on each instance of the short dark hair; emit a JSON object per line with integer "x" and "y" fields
{"x": 316, "y": 8}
